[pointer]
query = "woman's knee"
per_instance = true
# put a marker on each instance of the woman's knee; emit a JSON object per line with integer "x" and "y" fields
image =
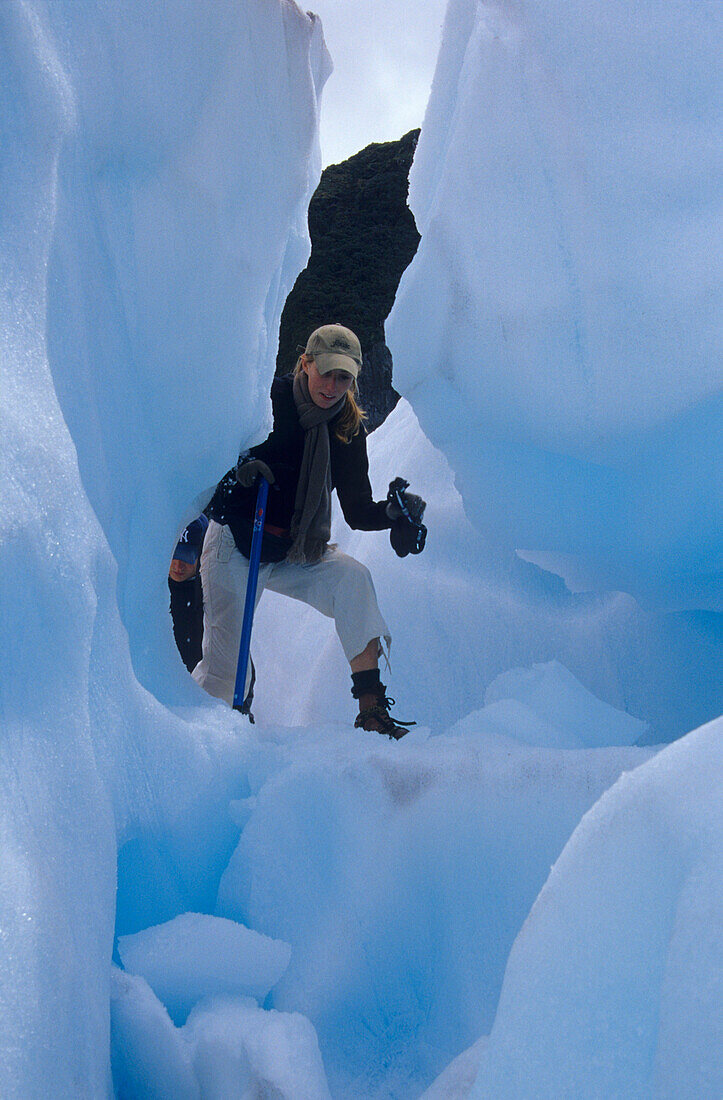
{"x": 352, "y": 573}
{"x": 355, "y": 598}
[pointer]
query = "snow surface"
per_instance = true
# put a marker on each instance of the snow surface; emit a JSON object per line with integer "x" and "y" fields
{"x": 400, "y": 874}
{"x": 156, "y": 164}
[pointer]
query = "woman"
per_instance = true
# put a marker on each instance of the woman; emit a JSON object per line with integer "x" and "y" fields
{"x": 317, "y": 444}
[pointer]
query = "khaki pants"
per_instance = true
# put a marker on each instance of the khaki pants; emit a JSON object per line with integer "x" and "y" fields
{"x": 338, "y": 586}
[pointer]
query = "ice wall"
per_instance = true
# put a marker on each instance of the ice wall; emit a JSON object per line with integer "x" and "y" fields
{"x": 149, "y": 231}
{"x": 613, "y": 987}
{"x": 179, "y": 229}
{"x": 558, "y": 331}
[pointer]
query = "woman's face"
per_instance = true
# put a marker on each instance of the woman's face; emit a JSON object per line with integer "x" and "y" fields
{"x": 325, "y": 389}
{"x": 181, "y": 570}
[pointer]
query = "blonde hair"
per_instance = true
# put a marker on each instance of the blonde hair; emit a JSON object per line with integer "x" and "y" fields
{"x": 353, "y": 415}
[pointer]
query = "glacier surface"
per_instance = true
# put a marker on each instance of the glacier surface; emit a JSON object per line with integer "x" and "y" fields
{"x": 304, "y": 911}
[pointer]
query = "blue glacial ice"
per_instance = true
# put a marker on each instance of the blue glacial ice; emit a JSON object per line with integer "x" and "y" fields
{"x": 523, "y": 897}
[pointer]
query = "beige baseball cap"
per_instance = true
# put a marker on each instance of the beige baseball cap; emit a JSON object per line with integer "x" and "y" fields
{"x": 333, "y": 347}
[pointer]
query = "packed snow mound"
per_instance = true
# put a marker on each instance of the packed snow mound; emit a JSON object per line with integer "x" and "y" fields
{"x": 558, "y": 331}
{"x": 196, "y": 955}
{"x": 401, "y": 873}
{"x": 230, "y": 1049}
{"x": 149, "y": 1057}
{"x": 463, "y": 612}
{"x": 243, "y": 1052}
{"x": 552, "y": 694}
{"x": 456, "y": 1081}
{"x": 614, "y": 985}
{"x": 144, "y": 261}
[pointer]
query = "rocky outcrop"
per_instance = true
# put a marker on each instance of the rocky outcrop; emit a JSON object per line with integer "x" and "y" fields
{"x": 363, "y": 236}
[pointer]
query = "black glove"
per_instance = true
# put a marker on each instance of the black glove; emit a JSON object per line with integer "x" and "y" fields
{"x": 407, "y": 538}
{"x": 408, "y": 534}
{"x": 249, "y": 470}
{"x": 413, "y": 506}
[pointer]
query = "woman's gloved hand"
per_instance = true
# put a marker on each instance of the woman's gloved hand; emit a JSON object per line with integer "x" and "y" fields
{"x": 414, "y": 507}
{"x": 249, "y": 470}
{"x": 408, "y": 534}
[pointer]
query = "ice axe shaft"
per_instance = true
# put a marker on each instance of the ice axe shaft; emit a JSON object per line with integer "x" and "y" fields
{"x": 251, "y": 586}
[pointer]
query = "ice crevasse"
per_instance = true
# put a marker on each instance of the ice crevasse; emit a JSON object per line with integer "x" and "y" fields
{"x": 304, "y": 910}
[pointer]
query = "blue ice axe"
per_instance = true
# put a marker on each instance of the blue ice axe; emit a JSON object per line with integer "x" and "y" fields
{"x": 251, "y": 586}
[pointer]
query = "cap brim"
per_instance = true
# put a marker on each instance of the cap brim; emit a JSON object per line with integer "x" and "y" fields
{"x": 184, "y": 552}
{"x": 328, "y": 361}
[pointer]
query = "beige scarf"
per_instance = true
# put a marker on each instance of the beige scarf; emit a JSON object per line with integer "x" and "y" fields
{"x": 311, "y": 523}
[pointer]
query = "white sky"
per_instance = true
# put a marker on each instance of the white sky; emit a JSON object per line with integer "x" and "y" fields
{"x": 384, "y": 54}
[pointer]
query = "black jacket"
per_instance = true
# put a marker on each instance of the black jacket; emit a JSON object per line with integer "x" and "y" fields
{"x": 282, "y": 452}
{"x": 187, "y": 613}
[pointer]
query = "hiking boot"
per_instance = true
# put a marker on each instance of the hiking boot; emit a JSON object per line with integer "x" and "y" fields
{"x": 374, "y": 716}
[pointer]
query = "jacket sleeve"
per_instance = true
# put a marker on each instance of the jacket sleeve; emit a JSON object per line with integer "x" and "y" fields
{"x": 351, "y": 480}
